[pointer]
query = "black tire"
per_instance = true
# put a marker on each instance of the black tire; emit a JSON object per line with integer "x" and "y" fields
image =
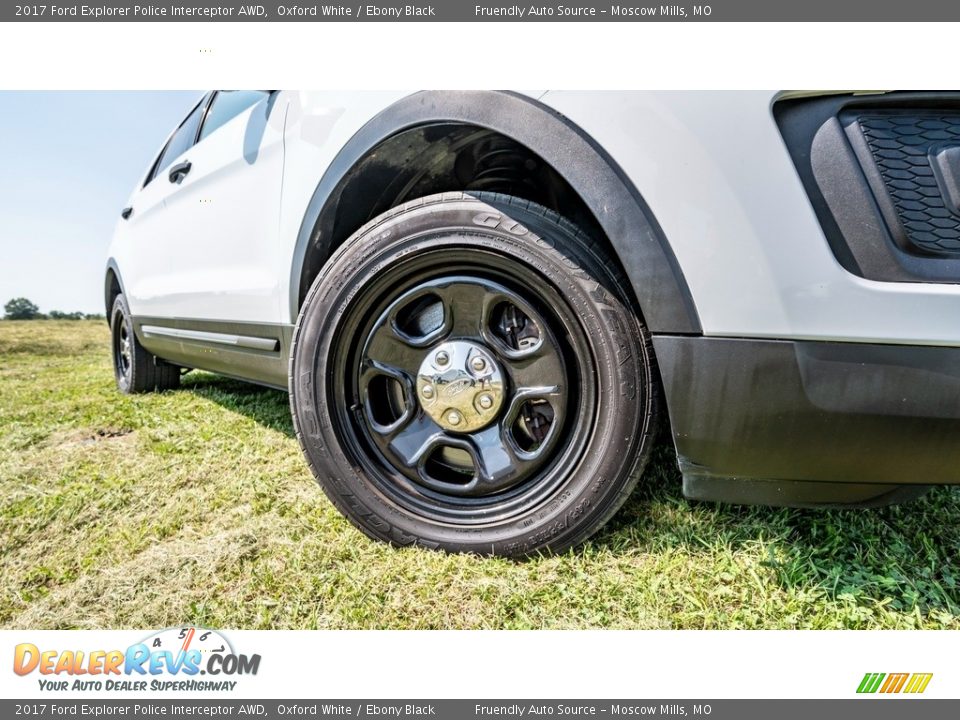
{"x": 548, "y": 304}
{"x": 135, "y": 368}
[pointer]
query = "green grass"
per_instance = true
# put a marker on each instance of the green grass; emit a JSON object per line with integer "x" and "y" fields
{"x": 195, "y": 506}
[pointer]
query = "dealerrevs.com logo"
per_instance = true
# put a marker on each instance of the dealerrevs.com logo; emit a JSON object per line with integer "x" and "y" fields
{"x": 172, "y": 659}
{"x": 889, "y": 683}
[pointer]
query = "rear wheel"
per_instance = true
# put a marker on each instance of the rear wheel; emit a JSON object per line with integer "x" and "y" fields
{"x": 135, "y": 368}
{"x": 468, "y": 375}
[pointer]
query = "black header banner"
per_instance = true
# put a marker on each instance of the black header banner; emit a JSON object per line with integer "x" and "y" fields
{"x": 484, "y": 11}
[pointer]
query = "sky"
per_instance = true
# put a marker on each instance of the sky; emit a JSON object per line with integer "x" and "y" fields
{"x": 69, "y": 163}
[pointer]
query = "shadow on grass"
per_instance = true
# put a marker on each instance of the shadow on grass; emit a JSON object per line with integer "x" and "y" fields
{"x": 269, "y": 407}
{"x": 906, "y": 556}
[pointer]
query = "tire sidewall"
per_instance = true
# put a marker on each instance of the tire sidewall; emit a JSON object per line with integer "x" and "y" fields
{"x": 619, "y": 371}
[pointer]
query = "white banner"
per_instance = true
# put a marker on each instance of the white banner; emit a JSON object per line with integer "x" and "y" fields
{"x": 482, "y": 664}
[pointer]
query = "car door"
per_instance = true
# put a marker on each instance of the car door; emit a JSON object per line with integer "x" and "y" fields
{"x": 148, "y": 266}
{"x": 207, "y": 219}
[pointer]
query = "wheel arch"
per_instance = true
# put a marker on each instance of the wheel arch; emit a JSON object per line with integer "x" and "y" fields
{"x": 112, "y": 286}
{"x": 614, "y": 204}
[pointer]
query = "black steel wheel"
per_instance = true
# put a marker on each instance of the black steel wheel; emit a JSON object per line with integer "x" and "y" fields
{"x": 467, "y": 374}
{"x": 123, "y": 351}
{"x": 136, "y": 369}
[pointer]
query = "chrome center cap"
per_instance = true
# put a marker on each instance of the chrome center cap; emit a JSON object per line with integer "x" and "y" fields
{"x": 460, "y": 386}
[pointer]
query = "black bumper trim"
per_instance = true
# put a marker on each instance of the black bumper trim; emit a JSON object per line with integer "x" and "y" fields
{"x": 819, "y": 412}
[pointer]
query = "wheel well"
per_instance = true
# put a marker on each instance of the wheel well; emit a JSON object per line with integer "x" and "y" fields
{"x": 111, "y": 290}
{"x": 435, "y": 158}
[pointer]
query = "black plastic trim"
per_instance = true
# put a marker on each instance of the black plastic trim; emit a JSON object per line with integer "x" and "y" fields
{"x": 797, "y": 493}
{"x": 844, "y": 186}
{"x": 621, "y": 212}
{"x": 817, "y": 412}
{"x": 264, "y": 367}
{"x": 107, "y": 288}
{"x": 946, "y": 169}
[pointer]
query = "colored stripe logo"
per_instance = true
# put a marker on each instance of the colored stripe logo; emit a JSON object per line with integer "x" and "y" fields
{"x": 913, "y": 683}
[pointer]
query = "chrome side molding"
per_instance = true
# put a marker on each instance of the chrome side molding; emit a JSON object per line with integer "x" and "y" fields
{"x": 243, "y": 341}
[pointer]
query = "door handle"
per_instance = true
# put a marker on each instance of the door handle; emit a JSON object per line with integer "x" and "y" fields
{"x": 179, "y": 171}
{"x": 126, "y": 213}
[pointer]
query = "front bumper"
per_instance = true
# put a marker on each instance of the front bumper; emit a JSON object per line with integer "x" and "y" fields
{"x": 811, "y": 423}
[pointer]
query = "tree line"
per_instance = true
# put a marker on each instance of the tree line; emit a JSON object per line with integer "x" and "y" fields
{"x": 23, "y": 309}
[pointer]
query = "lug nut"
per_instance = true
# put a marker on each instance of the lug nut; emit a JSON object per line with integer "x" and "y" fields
{"x": 485, "y": 402}
{"x": 427, "y": 391}
{"x": 442, "y": 358}
{"x": 478, "y": 363}
{"x": 453, "y": 417}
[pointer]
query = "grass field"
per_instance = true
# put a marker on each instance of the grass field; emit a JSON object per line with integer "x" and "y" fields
{"x": 195, "y": 506}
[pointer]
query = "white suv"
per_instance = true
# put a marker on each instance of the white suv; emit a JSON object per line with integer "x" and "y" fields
{"x": 484, "y": 303}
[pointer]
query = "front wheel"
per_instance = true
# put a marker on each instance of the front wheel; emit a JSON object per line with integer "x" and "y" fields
{"x": 468, "y": 375}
